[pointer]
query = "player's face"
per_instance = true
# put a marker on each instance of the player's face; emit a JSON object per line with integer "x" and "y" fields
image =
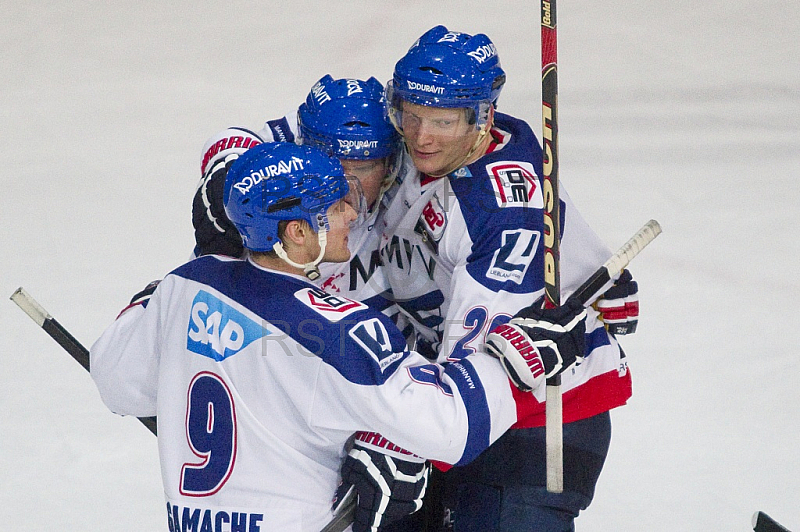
{"x": 370, "y": 173}
{"x": 438, "y": 139}
{"x": 340, "y": 215}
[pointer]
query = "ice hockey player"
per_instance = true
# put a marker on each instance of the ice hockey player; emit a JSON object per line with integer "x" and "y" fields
{"x": 462, "y": 248}
{"x": 347, "y": 119}
{"x": 259, "y": 378}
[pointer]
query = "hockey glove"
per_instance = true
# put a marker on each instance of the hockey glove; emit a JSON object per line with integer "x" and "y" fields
{"x": 539, "y": 343}
{"x": 214, "y": 233}
{"x": 388, "y": 487}
{"x": 141, "y": 298}
{"x": 619, "y": 305}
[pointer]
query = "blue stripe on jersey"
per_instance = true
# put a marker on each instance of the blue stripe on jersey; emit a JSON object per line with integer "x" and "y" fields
{"x": 596, "y": 338}
{"x": 281, "y": 132}
{"x": 473, "y": 395}
{"x": 365, "y": 347}
{"x": 378, "y": 302}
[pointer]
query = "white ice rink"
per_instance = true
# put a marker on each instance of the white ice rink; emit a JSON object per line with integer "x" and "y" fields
{"x": 687, "y": 112}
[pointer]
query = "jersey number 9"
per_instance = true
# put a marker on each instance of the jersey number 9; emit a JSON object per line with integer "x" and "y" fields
{"x": 211, "y": 433}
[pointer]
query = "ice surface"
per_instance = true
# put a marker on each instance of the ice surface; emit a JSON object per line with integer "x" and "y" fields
{"x": 686, "y": 112}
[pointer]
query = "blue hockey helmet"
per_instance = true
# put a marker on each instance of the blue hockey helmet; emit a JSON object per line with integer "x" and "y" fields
{"x": 347, "y": 118}
{"x": 447, "y": 69}
{"x": 278, "y": 181}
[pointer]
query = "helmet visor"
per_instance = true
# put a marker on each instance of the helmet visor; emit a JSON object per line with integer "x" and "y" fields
{"x": 411, "y": 114}
{"x": 355, "y": 198}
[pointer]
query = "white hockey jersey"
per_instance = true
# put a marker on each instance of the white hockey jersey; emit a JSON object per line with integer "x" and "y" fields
{"x": 464, "y": 253}
{"x": 258, "y": 379}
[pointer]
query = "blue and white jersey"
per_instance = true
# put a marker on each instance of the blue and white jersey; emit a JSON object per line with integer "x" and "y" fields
{"x": 258, "y": 379}
{"x": 464, "y": 253}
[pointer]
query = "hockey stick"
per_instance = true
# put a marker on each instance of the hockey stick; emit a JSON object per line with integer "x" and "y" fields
{"x": 554, "y": 443}
{"x": 764, "y": 523}
{"x": 345, "y": 516}
{"x": 588, "y": 291}
{"x": 58, "y": 333}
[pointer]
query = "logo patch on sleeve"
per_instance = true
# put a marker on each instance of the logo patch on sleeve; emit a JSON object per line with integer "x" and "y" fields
{"x": 217, "y": 330}
{"x": 515, "y": 184}
{"x": 372, "y": 336}
{"x": 332, "y": 307}
{"x": 511, "y": 261}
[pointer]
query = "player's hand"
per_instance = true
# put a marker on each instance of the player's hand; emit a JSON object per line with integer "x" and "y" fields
{"x": 388, "y": 487}
{"x": 539, "y": 343}
{"x": 619, "y": 305}
{"x": 214, "y": 233}
{"x": 141, "y": 297}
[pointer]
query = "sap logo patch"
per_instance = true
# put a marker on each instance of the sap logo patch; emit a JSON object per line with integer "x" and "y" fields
{"x": 217, "y": 330}
{"x": 515, "y": 184}
{"x": 333, "y": 308}
{"x": 511, "y": 261}
{"x": 371, "y": 335}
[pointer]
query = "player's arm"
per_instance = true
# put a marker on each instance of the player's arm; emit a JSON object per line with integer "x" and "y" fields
{"x": 124, "y": 360}
{"x": 213, "y": 231}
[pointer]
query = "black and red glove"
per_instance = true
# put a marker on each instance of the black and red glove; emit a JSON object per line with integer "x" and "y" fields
{"x": 538, "y": 343}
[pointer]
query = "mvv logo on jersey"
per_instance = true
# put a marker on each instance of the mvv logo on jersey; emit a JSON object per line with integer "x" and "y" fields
{"x": 515, "y": 185}
{"x": 217, "y": 330}
{"x": 333, "y": 308}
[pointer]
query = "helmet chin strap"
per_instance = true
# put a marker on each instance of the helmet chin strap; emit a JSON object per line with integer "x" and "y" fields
{"x": 310, "y": 269}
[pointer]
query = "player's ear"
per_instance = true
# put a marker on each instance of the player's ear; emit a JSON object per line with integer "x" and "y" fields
{"x": 295, "y": 234}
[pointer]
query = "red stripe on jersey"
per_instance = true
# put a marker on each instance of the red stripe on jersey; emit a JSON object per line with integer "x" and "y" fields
{"x": 598, "y": 395}
{"x": 126, "y": 309}
{"x": 424, "y": 179}
{"x": 499, "y": 139}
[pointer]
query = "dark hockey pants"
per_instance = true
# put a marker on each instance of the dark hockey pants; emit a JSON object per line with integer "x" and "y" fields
{"x": 504, "y": 488}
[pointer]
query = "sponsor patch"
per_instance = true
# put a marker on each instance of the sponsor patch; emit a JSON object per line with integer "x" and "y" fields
{"x": 511, "y": 261}
{"x": 371, "y": 335}
{"x": 217, "y": 330}
{"x": 432, "y": 223}
{"x": 424, "y": 87}
{"x": 515, "y": 184}
{"x": 331, "y": 307}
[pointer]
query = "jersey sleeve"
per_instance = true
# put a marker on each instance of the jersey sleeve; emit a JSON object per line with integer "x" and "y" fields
{"x": 582, "y": 252}
{"x": 282, "y": 129}
{"x": 371, "y": 382}
{"x": 124, "y": 361}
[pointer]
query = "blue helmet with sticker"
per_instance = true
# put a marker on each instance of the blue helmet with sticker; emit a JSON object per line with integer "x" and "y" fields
{"x": 347, "y": 118}
{"x": 278, "y": 181}
{"x": 447, "y": 69}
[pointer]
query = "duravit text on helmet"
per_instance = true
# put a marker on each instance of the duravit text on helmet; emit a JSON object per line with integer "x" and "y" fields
{"x": 357, "y": 144}
{"x": 414, "y": 86}
{"x": 283, "y": 167}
